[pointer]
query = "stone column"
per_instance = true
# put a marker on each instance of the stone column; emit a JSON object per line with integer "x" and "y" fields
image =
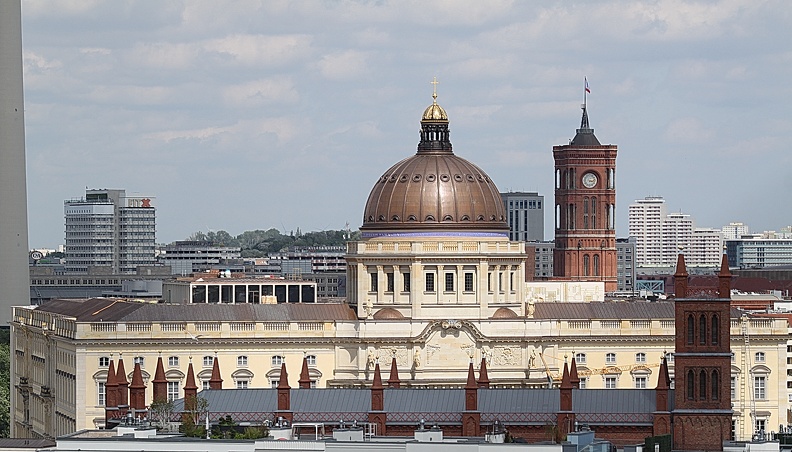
{"x": 459, "y": 283}
{"x": 416, "y": 288}
{"x": 397, "y": 286}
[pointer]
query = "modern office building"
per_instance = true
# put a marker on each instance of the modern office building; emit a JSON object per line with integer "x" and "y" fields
{"x": 525, "y": 212}
{"x": 541, "y": 254}
{"x": 585, "y": 209}
{"x": 735, "y": 230}
{"x": 107, "y": 228}
{"x": 13, "y": 185}
{"x": 759, "y": 253}
{"x": 625, "y": 265}
{"x": 660, "y": 236}
{"x": 186, "y": 257}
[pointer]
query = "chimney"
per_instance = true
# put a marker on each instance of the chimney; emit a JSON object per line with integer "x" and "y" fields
{"x": 111, "y": 394}
{"x": 565, "y": 419}
{"x": 137, "y": 390}
{"x": 305, "y": 377}
{"x": 471, "y": 418}
{"x": 215, "y": 382}
{"x": 377, "y": 415}
{"x": 573, "y": 374}
{"x": 190, "y": 390}
{"x": 123, "y": 386}
{"x": 724, "y": 279}
{"x": 284, "y": 395}
{"x": 681, "y": 278}
{"x": 160, "y": 383}
{"x": 393, "y": 379}
{"x": 484, "y": 381}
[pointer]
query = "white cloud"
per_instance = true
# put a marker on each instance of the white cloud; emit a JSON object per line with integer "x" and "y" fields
{"x": 261, "y": 50}
{"x": 688, "y": 131}
{"x": 261, "y": 92}
{"x": 163, "y": 55}
{"x": 345, "y": 65}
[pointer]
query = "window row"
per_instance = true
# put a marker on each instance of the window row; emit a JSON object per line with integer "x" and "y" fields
{"x": 610, "y": 358}
{"x": 208, "y": 361}
{"x": 703, "y": 385}
{"x": 449, "y": 281}
{"x": 706, "y": 336}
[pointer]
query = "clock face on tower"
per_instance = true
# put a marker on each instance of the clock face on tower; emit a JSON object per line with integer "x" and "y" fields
{"x": 589, "y": 180}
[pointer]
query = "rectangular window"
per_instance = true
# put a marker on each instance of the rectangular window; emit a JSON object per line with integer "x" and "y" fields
{"x": 205, "y": 385}
{"x": 640, "y": 357}
{"x": 449, "y": 282}
{"x": 733, "y": 388}
{"x": 759, "y": 388}
{"x": 242, "y": 384}
{"x": 100, "y": 396}
{"x": 311, "y": 360}
{"x": 390, "y": 282}
{"x": 580, "y": 358}
{"x": 640, "y": 382}
{"x": 372, "y": 282}
{"x": 430, "y": 282}
{"x": 610, "y": 358}
{"x": 274, "y": 384}
{"x": 468, "y": 282}
{"x": 489, "y": 282}
{"x": 242, "y": 361}
{"x": 276, "y": 361}
{"x": 583, "y": 383}
{"x": 406, "y": 278}
{"x": 104, "y": 361}
{"x": 610, "y": 382}
{"x": 173, "y": 390}
{"x": 208, "y": 361}
{"x": 173, "y": 361}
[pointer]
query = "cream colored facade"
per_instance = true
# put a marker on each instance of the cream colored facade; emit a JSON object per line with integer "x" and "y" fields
{"x": 65, "y": 361}
{"x": 424, "y": 277}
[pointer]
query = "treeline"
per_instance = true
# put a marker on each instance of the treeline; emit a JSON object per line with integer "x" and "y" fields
{"x": 260, "y": 243}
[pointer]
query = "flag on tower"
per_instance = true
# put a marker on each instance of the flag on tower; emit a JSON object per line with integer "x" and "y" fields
{"x": 587, "y": 88}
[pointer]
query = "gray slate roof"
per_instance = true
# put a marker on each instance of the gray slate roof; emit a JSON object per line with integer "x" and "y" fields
{"x": 424, "y": 400}
{"x": 611, "y": 310}
{"x": 109, "y": 310}
{"x": 518, "y": 400}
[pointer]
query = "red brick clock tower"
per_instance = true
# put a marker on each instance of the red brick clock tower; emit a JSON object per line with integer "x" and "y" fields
{"x": 585, "y": 209}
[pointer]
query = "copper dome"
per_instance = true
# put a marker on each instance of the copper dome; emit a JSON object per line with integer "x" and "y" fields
{"x": 435, "y": 189}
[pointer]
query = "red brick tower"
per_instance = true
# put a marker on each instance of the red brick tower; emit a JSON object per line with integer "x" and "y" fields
{"x": 702, "y": 410}
{"x": 585, "y": 209}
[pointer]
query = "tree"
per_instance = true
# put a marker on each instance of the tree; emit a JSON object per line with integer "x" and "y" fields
{"x": 161, "y": 412}
{"x": 192, "y": 419}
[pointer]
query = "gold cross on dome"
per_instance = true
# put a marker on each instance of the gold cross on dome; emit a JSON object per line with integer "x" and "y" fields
{"x": 434, "y": 83}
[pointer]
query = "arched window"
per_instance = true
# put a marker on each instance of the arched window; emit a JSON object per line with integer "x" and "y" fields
{"x": 586, "y": 265}
{"x": 715, "y": 385}
{"x": 557, "y": 178}
{"x": 690, "y": 329}
{"x": 690, "y": 385}
{"x": 715, "y": 330}
{"x": 596, "y": 265}
{"x": 558, "y": 216}
{"x": 593, "y": 213}
{"x": 702, "y": 385}
{"x": 702, "y": 330}
{"x": 585, "y": 213}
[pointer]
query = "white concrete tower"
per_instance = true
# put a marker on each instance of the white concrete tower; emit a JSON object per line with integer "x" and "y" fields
{"x": 14, "y": 273}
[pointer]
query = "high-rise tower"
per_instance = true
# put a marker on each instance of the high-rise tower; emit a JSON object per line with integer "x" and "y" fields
{"x": 585, "y": 207}
{"x": 14, "y": 276}
{"x": 107, "y": 228}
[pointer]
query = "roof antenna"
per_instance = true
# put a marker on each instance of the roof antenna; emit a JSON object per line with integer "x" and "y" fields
{"x": 584, "y": 123}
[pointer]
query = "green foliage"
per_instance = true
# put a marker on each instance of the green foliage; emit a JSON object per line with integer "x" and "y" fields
{"x": 189, "y": 428}
{"x": 161, "y": 411}
{"x": 260, "y": 243}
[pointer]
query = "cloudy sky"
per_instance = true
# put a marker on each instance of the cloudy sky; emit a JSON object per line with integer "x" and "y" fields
{"x": 249, "y": 115}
